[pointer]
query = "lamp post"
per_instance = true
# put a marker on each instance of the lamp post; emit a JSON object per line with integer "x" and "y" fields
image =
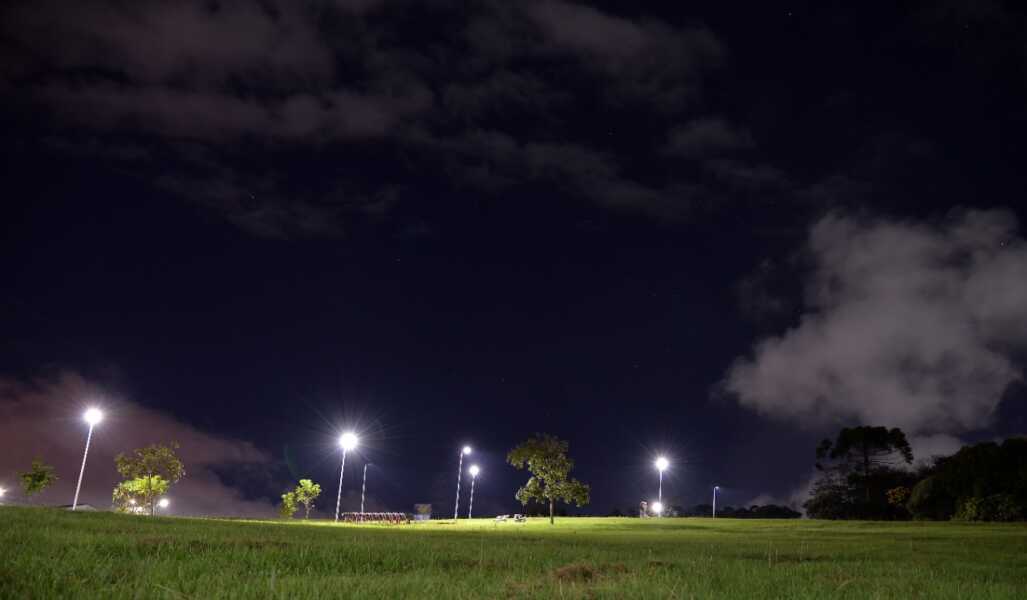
{"x": 363, "y": 488}
{"x": 474, "y": 470}
{"x": 661, "y": 465}
{"x": 459, "y": 474}
{"x": 715, "y": 488}
{"x": 347, "y": 442}
{"x": 92, "y": 417}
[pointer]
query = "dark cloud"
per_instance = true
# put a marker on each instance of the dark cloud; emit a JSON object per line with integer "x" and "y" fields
{"x": 494, "y": 160}
{"x": 707, "y": 137}
{"x": 648, "y": 58}
{"x": 907, "y": 324}
{"x": 42, "y": 418}
{"x": 216, "y": 89}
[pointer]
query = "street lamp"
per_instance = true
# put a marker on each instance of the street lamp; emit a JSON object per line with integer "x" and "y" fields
{"x": 163, "y": 503}
{"x": 92, "y": 417}
{"x": 363, "y": 488}
{"x": 658, "y": 508}
{"x": 661, "y": 465}
{"x": 474, "y": 470}
{"x": 459, "y": 474}
{"x": 715, "y": 489}
{"x": 347, "y": 442}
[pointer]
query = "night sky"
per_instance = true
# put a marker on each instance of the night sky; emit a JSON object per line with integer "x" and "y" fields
{"x": 718, "y": 231}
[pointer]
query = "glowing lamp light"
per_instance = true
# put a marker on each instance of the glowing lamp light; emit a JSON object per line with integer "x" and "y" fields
{"x": 2, "y": 492}
{"x": 164, "y": 502}
{"x": 93, "y": 416}
{"x": 466, "y": 450}
{"x": 662, "y": 463}
{"x": 474, "y": 470}
{"x": 348, "y": 440}
{"x": 658, "y": 507}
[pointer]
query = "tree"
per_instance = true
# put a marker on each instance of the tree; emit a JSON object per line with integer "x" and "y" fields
{"x": 39, "y": 477}
{"x": 545, "y": 457}
{"x": 149, "y": 463}
{"x": 289, "y": 506}
{"x": 857, "y": 470}
{"x": 305, "y": 493}
{"x": 138, "y": 494}
{"x": 983, "y": 482}
{"x": 864, "y": 450}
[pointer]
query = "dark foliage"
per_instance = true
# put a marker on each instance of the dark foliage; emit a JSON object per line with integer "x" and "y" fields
{"x": 983, "y": 482}
{"x": 859, "y": 469}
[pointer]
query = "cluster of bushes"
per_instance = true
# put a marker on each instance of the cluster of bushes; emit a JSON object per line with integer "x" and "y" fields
{"x": 867, "y": 473}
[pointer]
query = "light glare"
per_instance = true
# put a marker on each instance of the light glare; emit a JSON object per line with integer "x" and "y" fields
{"x": 93, "y": 416}
{"x": 658, "y": 507}
{"x": 662, "y": 463}
{"x": 474, "y": 470}
{"x": 466, "y": 450}
{"x": 163, "y": 503}
{"x": 348, "y": 440}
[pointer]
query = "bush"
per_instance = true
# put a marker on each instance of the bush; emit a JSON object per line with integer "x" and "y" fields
{"x": 997, "y": 507}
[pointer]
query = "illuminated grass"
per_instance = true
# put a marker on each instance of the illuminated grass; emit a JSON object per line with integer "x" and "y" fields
{"x": 52, "y": 554}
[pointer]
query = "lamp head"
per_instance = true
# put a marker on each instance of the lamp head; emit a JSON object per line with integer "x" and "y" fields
{"x": 657, "y": 507}
{"x": 348, "y": 440}
{"x": 474, "y": 470}
{"x": 93, "y": 416}
{"x": 662, "y": 463}
{"x": 466, "y": 450}
{"x": 164, "y": 502}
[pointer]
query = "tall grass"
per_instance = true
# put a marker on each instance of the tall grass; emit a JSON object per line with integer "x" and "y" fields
{"x": 56, "y": 554}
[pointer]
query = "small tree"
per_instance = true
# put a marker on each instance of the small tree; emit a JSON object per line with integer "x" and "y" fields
{"x": 140, "y": 493}
{"x": 39, "y": 477}
{"x": 155, "y": 465}
{"x": 305, "y": 493}
{"x": 289, "y": 506}
{"x": 545, "y": 457}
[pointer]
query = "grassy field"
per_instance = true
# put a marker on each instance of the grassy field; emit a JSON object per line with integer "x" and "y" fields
{"x": 52, "y": 554}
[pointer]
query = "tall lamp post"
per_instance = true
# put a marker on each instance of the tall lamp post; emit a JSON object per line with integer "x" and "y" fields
{"x": 459, "y": 474}
{"x": 474, "y": 470}
{"x": 661, "y": 465}
{"x": 715, "y": 489}
{"x": 363, "y": 489}
{"x": 92, "y": 417}
{"x": 347, "y": 442}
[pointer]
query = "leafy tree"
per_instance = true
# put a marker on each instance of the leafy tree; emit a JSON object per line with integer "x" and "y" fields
{"x": 154, "y": 464}
{"x": 305, "y": 493}
{"x": 545, "y": 457}
{"x": 289, "y": 506}
{"x": 39, "y": 477}
{"x": 140, "y": 493}
{"x": 983, "y": 482}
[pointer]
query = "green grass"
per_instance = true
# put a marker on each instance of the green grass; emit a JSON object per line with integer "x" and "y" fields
{"x": 52, "y": 554}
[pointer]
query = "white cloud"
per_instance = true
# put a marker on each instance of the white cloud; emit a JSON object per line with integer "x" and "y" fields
{"x": 908, "y": 324}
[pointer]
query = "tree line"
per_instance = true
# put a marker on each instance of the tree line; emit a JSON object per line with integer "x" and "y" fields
{"x": 868, "y": 473}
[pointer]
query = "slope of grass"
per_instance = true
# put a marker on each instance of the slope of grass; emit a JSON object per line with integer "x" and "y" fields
{"x": 54, "y": 554}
